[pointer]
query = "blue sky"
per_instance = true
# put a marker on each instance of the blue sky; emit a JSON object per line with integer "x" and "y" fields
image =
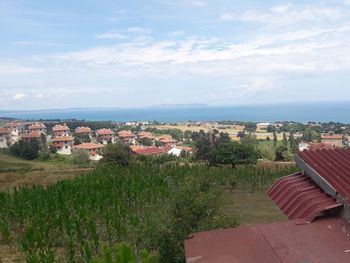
{"x": 85, "y": 53}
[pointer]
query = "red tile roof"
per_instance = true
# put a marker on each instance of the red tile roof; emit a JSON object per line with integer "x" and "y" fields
{"x": 104, "y": 132}
{"x": 319, "y": 146}
{"x": 332, "y": 137}
{"x": 37, "y": 125}
{"x": 301, "y": 198}
{"x": 60, "y": 128}
{"x": 82, "y": 130}
{"x": 89, "y": 146}
{"x": 31, "y": 135}
{"x": 149, "y": 151}
{"x": 63, "y": 138}
{"x": 326, "y": 240}
{"x": 333, "y": 166}
{"x": 4, "y": 131}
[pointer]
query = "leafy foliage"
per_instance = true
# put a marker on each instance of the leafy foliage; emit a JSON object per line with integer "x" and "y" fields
{"x": 27, "y": 150}
{"x": 117, "y": 153}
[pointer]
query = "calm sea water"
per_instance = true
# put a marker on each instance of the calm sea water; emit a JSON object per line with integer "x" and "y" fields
{"x": 302, "y": 112}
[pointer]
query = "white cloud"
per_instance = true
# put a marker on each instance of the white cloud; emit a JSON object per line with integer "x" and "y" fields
{"x": 39, "y": 96}
{"x": 281, "y": 8}
{"x": 286, "y": 15}
{"x": 347, "y": 2}
{"x": 19, "y": 96}
{"x": 176, "y": 33}
{"x": 13, "y": 69}
{"x": 138, "y": 30}
{"x": 111, "y": 35}
{"x": 199, "y": 3}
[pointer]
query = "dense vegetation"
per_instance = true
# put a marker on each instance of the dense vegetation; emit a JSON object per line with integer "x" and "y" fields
{"x": 149, "y": 206}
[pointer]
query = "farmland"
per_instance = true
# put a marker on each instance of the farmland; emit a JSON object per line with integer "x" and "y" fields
{"x": 148, "y": 206}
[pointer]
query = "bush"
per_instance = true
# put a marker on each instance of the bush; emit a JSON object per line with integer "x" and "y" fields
{"x": 27, "y": 150}
{"x": 117, "y": 153}
{"x": 266, "y": 152}
{"x": 80, "y": 156}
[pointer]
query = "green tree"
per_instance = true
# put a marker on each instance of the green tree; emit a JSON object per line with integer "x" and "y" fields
{"x": 146, "y": 142}
{"x": 267, "y": 152}
{"x": 285, "y": 140}
{"x": 80, "y": 156}
{"x": 117, "y": 153}
{"x": 282, "y": 154}
{"x": 235, "y": 153}
{"x": 274, "y": 139}
{"x": 27, "y": 150}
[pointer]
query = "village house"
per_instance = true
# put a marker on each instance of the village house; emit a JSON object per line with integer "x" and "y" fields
{"x": 166, "y": 140}
{"x": 16, "y": 129}
{"x": 151, "y": 150}
{"x": 105, "y": 136}
{"x": 63, "y": 144}
{"x": 177, "y": 150}
{"x": 60, "y": 130}
{"x": 37, "y": 127}
{"x": 94, "y": 150}
{"x": 126, "y": 137}
{"x": 262, "y": 127}
{"x": 84, "y": 131}
{"x": 335, "y": 140}
{"x": 31, "y": 135}
{"x": 4, "y": 137}
{"x": 145, "y": 135}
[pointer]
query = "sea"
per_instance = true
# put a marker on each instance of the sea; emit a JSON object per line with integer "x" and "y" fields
{"x": 300, "y": 112}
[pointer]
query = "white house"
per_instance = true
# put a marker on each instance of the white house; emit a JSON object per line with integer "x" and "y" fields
{"x": 94, "y": 150}
{"x": 63, "y": 145}
{"x": 4, "y": 137}
{"x": 16, "y": 130}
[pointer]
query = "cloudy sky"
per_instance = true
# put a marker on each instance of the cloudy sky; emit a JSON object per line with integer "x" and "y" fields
{"x": 89, "y": 53}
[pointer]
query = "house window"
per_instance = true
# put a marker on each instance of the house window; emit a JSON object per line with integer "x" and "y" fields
{"x": 66, "y": 147}
{"x": 1, "y": 140}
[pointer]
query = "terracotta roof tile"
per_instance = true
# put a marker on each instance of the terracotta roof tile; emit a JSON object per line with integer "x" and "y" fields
{"x": 89, "y": 146}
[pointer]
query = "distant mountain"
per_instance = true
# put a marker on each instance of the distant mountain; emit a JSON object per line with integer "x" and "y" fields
{"x": 191, "y": 105}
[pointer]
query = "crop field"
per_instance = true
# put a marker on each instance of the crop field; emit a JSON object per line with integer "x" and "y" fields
{"x": 149, "y": 207}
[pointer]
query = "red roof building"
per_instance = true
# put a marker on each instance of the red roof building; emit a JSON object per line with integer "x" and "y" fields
{"x": 335, "y": 140}
{"x": 37, "y": 127}
{"x": 63, "y": 144}
{"x": 149, "y": 150}
{"x": 31, "y": 135}
{"x": 126, "y": 136}
{"x": 94, "y": 150}
{"x": 4, "y": 137}
{"x": 60, "y": 130}
{"x": 83, "y": 131}
{"x": 105, "y": 136}
{"x": 317, "y": 203}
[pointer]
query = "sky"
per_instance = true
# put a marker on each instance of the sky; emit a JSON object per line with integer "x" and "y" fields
{"x": 107, "y": 53}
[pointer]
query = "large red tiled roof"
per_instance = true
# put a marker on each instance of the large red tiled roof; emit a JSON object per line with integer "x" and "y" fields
{"x": 333, "y": 166}
{"x": 4, "y": 131}
{"x": 63, "y": 138}
{"x": 37, "y": 125}
{"x": 332, "y": 137}
{"x": 324, "y": 241}
{"x": 82, "y": 130}
{"x": 89, "y": 146}
{"x": 104, "y": 132}
{"x": 31, "y": 135}
{"x": 149, "y": 150}
{"x": 301, "y": 198}
{"x": 60, "y": 128}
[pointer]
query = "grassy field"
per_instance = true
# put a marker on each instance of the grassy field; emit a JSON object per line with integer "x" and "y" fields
{"x": 16, "y": 172}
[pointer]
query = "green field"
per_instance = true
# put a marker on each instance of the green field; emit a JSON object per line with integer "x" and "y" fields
{"x": 148, "y": 206}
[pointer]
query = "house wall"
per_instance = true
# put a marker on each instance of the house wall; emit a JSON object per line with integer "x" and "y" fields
{"x": 3, "y": 141}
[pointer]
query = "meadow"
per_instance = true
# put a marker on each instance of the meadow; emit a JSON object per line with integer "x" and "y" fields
{"x": 148, "y": 206}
